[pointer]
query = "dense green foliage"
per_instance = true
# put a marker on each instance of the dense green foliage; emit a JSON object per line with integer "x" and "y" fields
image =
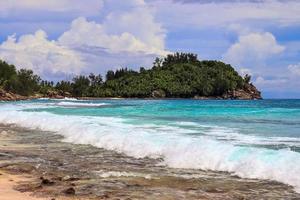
{"x": 23, "y": 81}
{"x": 177, "y": 75}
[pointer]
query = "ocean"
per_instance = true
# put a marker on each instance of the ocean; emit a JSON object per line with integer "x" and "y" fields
{"x": 250, "y": 139}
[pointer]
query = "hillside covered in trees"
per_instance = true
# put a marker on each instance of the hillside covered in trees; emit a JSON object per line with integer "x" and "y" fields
{"x": 180, "y": 75}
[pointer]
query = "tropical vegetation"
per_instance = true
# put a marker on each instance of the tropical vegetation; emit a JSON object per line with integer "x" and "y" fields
{"x": 177, "y": 75}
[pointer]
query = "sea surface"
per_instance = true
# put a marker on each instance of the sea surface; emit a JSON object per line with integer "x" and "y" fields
{"x": 251, "y": 139}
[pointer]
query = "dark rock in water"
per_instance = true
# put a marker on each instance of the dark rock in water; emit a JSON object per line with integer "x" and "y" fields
{"x": 70, "y": 191}
{"x": 46, "y": 181}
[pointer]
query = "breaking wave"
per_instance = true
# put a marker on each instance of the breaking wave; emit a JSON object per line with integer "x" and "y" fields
{"x": 177, "y": 149}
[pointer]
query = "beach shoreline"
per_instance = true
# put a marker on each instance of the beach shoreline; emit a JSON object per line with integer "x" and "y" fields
{"x": 63, "y": 170}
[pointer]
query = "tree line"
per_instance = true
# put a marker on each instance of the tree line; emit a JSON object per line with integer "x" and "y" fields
{"x": 177, "y": 75}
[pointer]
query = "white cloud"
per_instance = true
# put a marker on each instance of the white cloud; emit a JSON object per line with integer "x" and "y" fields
{"x": 244, "y": 71}
{"x": 137, "y": 19}
{"x": 222, "y": 13}
{"x": 253, "y": 47}
{"x": 294, "y": 69}
{"x": 91, "y": 34}
{"x": 261, "y": 82}
{"x": 128, "y": 27}
{"x": 9, "y": 7}
{"x": 36, "y": 52}
{"x": 129, "y": 37}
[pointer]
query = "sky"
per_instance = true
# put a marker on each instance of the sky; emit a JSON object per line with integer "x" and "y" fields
{"x": 61, "y": 38}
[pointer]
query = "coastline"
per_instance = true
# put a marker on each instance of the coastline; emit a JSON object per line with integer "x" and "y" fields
{"x": 64, "y": 170}
{"x": 249, "y": 93}
{"x": 25, "y": 98}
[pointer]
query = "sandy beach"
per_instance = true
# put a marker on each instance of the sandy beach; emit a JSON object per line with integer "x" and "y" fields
{"x": 8, "y": 182}
{"x": 38, "y": 165}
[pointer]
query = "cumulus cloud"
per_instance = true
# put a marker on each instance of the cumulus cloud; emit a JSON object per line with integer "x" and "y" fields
{"x": 253, "y": 47}
{"x": 128, "y": 27}
{"x": 267, "y": 83}
{"x": 36, "y": 52}
{"x": 294, "y": 69}
{"x": 91, "y": 34}
{"x": 129, "y": 37}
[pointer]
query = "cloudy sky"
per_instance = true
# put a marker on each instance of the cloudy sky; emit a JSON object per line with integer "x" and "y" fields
{"x": 59, "y": 38}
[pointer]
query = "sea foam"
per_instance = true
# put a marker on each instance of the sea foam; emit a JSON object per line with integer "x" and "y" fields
{"x": 79, "y": 104}
{"x": 176, "y": 149}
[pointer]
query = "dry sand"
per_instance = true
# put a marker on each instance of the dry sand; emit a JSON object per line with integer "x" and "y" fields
{"x": 7, "y": 184}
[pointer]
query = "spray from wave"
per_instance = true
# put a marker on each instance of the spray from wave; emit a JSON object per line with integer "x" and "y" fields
{"x": 177, "y": 150}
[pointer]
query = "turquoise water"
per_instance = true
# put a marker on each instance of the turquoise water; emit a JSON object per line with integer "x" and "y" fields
{"x": 266, "y": 118}
{"x": 251, "y": 139}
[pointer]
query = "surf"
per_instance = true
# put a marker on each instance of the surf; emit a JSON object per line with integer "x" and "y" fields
{"x": 176, "y": 146}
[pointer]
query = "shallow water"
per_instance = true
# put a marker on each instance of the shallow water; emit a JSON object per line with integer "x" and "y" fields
{"x": 251, "y": 139}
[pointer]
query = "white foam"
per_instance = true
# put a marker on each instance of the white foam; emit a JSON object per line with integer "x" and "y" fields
{"x": 233, "y": 136}
{"x": 63, "y": 99}
{"x": 79, "y": 104}
{"x": 108, "y": 174}
{"x": 178, "y": 150}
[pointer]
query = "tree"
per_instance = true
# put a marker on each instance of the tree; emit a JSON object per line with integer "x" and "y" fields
{"x": 95, "y": 80}
{"x": 247, "y": 78}
{"x": 24, "y": 83}
{"x": 64, "y": 86}
{"x": 157, "y": 63}
{"x": 142, "y": 70}
{"x": 6, "y": 72}
{"x": 80, "y": 86}
{"x": 110, "y": 75}
{"x": 176, "y": 75}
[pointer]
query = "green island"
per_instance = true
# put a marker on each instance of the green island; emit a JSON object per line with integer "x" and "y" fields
{"x": 180, "y": 75}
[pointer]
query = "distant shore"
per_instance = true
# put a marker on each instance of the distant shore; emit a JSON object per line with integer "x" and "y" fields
{"x": 14, "y": 97}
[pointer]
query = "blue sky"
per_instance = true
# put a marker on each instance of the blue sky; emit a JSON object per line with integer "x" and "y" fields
{"x": 60, "y": 38}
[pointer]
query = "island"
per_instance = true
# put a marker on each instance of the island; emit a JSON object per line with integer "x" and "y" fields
{"x": 178, "y": 75}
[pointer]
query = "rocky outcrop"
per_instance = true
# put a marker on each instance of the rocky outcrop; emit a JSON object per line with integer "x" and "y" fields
{"x": 249, "y": 92}
{"x": 55, "y": 94}
{"x": 158, "y": 94}
{"x": 8, "y": 96}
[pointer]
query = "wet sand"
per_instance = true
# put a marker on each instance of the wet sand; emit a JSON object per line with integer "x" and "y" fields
{"x": 47, "y": 168}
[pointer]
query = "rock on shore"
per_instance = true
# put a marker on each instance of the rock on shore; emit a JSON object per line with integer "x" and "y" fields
{"x": 249, "y": 92}
{"x": 8, "y": 96}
